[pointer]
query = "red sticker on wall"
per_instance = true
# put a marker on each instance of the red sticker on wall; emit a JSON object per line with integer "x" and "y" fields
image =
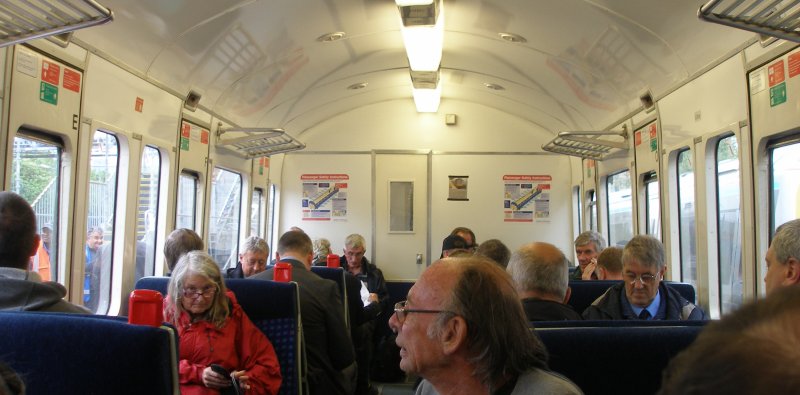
{"x": 204, "y": 136}
{"x": 794, "y": 64}
{"x": 139, "y": 104}
{"x": 51, "y": 72}
{"x": 776, "y": 73}
{"x": 72, "y": 80}
{"x": 637, "y": 140}
{"x": 653, "y": 131}
{"x": 186, "y": 130}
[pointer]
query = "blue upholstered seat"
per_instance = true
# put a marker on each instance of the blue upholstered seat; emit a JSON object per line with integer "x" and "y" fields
{"x": 274, "y": 307}
{"x": 616, "y": 359}
{"x": 336, "y": 275}
{"x": 82, "y": 354}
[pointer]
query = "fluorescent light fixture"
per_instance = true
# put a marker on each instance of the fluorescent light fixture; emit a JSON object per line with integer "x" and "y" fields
{"x": 427, "y": 100}
{"x": 406, "y": 3}
{"x": 423, "y": 33}
{"x": 424, "y": 46}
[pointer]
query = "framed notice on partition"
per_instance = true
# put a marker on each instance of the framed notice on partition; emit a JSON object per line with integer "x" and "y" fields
{"x": 457, "y": 187}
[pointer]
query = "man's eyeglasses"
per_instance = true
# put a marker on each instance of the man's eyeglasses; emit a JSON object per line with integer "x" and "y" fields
{"x": 645, "y": 279}
{"x": 194, "y": 293}
{"x": 401, "y": 310}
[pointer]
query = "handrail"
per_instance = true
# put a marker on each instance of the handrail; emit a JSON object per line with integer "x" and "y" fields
{"x": 588, "y": 144}
{"x": 775, "y": 18}
{"x": 22, "y": 20}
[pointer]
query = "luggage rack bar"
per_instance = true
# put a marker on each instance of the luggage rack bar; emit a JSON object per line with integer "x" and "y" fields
{"x": 775, "y": 18}
{"x": 23, "y": 20}
{"x": 258, "y": 142}
{"x": 588, "y": 144}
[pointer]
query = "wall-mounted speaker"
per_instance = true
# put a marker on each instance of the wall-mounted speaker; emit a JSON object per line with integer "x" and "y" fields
{"x": 192, "y": 100}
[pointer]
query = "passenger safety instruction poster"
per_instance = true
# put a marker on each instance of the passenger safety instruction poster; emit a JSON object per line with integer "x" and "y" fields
{"x": 526, "y": 198}
{"x": 324, "y": 197}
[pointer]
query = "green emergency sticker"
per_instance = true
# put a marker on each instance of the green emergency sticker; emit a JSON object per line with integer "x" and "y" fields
{"x": 653, "y": 144}
{"x": 48, "y": 93}
{"x": 184, "y": 144}
{"x": 777, "y": 94}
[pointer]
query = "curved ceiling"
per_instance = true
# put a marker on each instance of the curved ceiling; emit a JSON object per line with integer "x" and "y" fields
{"x": 262, "y": 63}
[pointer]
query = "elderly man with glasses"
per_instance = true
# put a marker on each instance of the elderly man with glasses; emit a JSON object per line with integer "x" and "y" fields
{"x": 463, "y": 331}
{"x": 642, "y": 295}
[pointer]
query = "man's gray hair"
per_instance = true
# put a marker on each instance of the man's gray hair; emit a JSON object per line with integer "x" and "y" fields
{"x": 646, "y": 249}
{"x": 591, "y": 236}
{"x": 355, "y": 240}
{"x": 540, "y": 267}
{"x": 254, "y": 244}
{"x": 786, "y": 242}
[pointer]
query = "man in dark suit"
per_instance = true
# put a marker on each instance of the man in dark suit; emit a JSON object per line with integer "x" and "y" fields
{"x": 329, "y": 349}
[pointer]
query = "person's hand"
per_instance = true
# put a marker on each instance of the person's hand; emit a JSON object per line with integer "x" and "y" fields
{"x": 212, "y": 379}
{"x": 373, "y": 297}
{"x": 241, "y": 376}
{"x": 588, "y": 271}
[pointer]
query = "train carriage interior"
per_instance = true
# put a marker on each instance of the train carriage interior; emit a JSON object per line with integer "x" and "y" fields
{"x": 523, "y": 120}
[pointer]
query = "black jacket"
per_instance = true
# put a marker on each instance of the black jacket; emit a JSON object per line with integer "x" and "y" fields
{"x": 614, "y": 305}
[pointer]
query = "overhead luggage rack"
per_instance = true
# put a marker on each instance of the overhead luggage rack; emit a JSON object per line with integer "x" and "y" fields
{"x": 257, "y": 142}
{"x": 589, "y": 144}
{"x": 776, "y": 18}
{"x": 23, "y": 20}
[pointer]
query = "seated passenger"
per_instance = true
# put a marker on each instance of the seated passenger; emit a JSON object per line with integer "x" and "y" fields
{"x": 453, "y": 244}
{"x": 20, "y": 289}
{"x": 322, "y": 248}
{"x": 495, "y": 250}
{"x": 642, "y": 295}
{"x": 541, "y": 275}
{"x": 783, "y": 257}
{"x": 468, "y": 235}
{"x": 178, "y": 243}
{"x": 463, "y": 331}
{"x": 754, "y": 350}
{"x": 253, "y": 255}
{"x": 609, "y": 265}
{"x": 10, "y": 382}
{"x": 588, "y": 245}
{"x": 213, "y": 329}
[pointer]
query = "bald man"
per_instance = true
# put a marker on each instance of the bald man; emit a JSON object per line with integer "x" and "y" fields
{"x": 541, "y": 275}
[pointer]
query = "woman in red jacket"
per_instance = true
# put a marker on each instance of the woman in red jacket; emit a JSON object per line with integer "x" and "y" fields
{"x": 213, "y": 329}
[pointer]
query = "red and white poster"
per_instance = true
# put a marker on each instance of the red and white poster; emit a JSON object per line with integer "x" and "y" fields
{"x": 324, "y": 197}
{"x": 526, "y": 198}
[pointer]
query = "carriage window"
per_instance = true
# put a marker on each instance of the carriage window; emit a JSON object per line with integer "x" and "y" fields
{"x": 223, "y": 226}
{"x": 653, "y": 216}
{"x": 401, "y": 206}
{"x": 577, "y": 195}
{"x": 187, "y": 201}
{"x": 687, "y": 233}
{"x": 146, "y": 212}
{"x": 36, "y": 176}
{"x": 784, "y": 173}
{"x": 620, "y": 208}
{"x": 591, "y": 197}
{"x": 255, "y": 213}
{"x": 729, "y": 229}
{"x": 102, "y": 198}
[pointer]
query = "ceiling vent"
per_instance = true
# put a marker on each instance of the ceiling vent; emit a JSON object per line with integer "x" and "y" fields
{"x": 589, "y": 144}
{"x": 776, "y": 18}
{"x": 23, "y": 20}
{"x": 257, "y": 142}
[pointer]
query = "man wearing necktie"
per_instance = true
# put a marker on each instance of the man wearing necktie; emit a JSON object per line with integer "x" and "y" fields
{"x": 642, "y": 294}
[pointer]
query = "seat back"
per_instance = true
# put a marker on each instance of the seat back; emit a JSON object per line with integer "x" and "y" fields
{"x": 615, "y": 360}
{"x": 274, "y": 307}
{"x": 82, "y": 354}
{"x": 155, "y": 283}
{"x": 337, "y": 276}
{"x": 585, "y": 292}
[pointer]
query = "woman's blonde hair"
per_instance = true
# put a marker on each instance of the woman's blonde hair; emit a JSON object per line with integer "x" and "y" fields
{"x": 202, "y": 264}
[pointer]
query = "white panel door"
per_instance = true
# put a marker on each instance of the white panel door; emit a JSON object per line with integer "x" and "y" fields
{"x": 401, "y": 215}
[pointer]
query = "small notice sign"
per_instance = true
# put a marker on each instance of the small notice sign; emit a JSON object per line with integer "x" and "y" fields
{"x": 72, "y": 80}
{"x": 777, "y": 95}
{"x": 794, "y": 64}
{"x": 204, "y": 136}
{"x": 184, "y": 144}
{"x": 637, "y": 139}
{"x": 139, "y": 105}
{"x": 48, "y": 93}
{"x": 776, "y": 73}
{"x": 51, "y": 72}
